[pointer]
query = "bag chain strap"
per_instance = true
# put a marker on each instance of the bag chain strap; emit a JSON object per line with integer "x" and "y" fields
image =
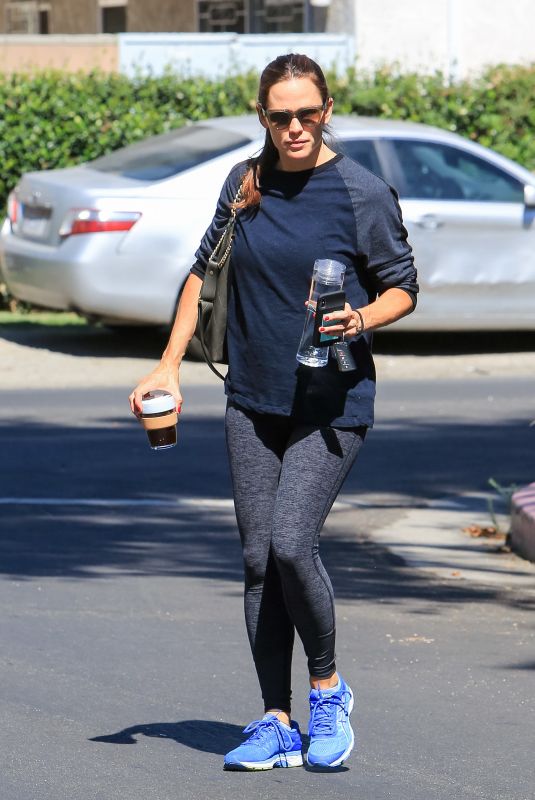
{"x": 231, "y": 221}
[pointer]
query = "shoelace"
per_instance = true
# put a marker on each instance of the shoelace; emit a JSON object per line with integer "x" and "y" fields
{"x": 260, "y": 729}
{"x": 324, "y": 713}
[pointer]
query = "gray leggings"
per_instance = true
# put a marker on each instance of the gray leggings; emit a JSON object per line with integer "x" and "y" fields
{"x": 286, "y": 476}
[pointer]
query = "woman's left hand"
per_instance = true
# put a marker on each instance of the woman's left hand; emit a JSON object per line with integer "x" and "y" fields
{"x": 349, "y": 322}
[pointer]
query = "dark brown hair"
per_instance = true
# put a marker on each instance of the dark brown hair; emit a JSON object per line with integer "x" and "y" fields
{"x": 283, "y": 68}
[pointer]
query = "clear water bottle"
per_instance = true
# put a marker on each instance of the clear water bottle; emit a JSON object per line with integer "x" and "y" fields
{"x": 328, "y": 276}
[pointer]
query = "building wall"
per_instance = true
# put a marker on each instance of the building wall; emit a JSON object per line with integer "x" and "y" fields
{"x": 84, "y": 16}
{"x": 337, "y": 17}
{"x": 80, "y": 16}
{"x": 501, "y": 33}
{"x": 28, "y": 53}
{"x": 149, "y": 16}
{"x": 66, "y": 16}
{"x": 458, "y": 37}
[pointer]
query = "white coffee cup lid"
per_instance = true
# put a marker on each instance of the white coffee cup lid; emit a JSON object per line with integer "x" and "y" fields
{"x": 157, "y": 401}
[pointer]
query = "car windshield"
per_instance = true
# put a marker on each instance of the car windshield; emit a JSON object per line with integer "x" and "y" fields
{"x": 163, "y": 156}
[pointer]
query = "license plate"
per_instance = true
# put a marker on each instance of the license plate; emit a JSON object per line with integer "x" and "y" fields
{"x": 36, "y": 228}
{"x": 35, "y": 221}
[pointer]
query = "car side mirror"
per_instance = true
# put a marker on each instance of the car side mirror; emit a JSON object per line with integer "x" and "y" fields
{"x": 529, "y": 196}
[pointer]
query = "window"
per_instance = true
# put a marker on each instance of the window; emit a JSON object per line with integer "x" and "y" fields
{"x": 113, "y": 19}
{"x": 251, "y": 16}
{"x": 222, "y": 16}
{"x": 280, "y": 16}
{"x": 27, "y": 16}
{"x": 441, "y": 172}
{"x": 22, "y": 17}
{"x": 166, "y": 155}
{"x": 363, "y": 151}
{"x": 44, "y": 25}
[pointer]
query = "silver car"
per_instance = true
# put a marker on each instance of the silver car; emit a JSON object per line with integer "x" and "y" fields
{"x": 114, "y": 239}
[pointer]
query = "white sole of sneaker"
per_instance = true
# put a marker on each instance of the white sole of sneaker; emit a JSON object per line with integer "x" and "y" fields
{"x": 347, "y": 751}
{"x": 289, "y": 760}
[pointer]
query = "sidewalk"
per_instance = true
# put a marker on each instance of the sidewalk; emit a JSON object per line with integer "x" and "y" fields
{"x": 433, "y": 538}
{"x": 75, "y": 357}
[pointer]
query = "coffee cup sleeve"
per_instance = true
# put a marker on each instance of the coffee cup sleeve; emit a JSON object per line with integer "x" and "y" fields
{"x": 155, "y": 423}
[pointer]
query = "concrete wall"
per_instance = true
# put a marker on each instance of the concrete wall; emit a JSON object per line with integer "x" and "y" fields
{"x": 27, "y": 53}
{"x": 211, "y": 55}
{"x": 460, "y": 37}
{"x": 216, "y": 54}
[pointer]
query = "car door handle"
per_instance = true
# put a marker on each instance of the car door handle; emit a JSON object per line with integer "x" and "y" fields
{"x": 429, "y": 221}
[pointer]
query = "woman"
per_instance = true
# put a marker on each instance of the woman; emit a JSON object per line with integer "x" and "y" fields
{"x": 293, "y": 432}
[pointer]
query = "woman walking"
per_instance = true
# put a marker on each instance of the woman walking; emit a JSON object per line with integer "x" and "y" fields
{"x": 293, "y": 432}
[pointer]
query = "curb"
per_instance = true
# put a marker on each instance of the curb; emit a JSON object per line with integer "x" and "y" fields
{"x": 522, "y": 537}
{"x": 431, "y": 537}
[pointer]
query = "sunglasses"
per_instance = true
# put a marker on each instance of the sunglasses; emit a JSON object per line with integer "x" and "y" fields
{"x": 308, "y": 117}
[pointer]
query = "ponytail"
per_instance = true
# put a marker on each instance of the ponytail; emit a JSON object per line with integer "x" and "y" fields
{"x": 293, "y": 65}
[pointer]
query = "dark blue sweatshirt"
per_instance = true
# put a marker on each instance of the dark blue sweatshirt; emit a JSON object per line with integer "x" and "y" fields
{"x": 338, "y": 210}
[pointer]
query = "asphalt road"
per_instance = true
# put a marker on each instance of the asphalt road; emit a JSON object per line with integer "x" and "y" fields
{"x": 125, "y": 670}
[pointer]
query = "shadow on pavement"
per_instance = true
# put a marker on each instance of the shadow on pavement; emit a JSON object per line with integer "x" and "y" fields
{"x": 88, "y": 340}
{"x": 453, "y": 343}
{"x": 419, "y": 459}
{"x": 365, "y": 571}
{"x": 97, "y": 544}
{"x": 208, "y": 736}
{"x": 149, "y": 342}
{"x": 138, "y": 528}
{"x": 526, "y": 665}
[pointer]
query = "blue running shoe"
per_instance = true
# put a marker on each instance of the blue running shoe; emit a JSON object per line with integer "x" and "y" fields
{"x": 271, "y": 744}
{"x": 331, "y": 735}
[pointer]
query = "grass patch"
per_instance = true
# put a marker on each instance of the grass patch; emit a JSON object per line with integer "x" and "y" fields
{"x": 57, "y": 319}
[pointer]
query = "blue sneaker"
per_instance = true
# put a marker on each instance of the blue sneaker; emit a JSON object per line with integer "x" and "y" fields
{"x": 271, "y": 744}
{"x": 331, "y": 735}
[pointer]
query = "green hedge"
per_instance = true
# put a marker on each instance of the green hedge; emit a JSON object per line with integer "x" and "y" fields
{"x": 496, "y": 109}
{"x": 53, "y": 119}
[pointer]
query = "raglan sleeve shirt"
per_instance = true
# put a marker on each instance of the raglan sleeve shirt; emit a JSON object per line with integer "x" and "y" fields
{"x": 337, "y": 210}
{"x": 381, "y": 237}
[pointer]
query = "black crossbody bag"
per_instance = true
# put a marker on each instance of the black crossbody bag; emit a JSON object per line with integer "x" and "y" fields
{"x": 211, "y": 329}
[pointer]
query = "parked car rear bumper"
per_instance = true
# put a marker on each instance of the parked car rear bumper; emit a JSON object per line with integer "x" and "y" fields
{"x": 78, "y": 275}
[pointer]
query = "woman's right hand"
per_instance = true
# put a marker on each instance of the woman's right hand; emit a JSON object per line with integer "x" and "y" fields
{"x": 163, "y": 377}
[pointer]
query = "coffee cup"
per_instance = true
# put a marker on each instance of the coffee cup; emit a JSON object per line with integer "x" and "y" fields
{"x": 159, "y": 418}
